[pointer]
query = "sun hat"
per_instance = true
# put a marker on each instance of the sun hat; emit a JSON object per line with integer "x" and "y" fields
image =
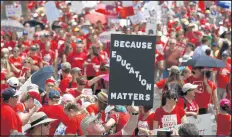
{"x": 185, "y": 58}
{"x": 75, "y": 70}
{"x": 8, "y": 93}
{"x": 188, "y": 86}
{"x": 102, "y": 97}
{"x": 13, "y": 82}
{"x": 38, "y": 118}
{"x": 174, "y": 69}
{"x": 86, "y": 121}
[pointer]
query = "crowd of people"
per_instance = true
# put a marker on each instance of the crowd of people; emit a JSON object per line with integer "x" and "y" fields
{"x": 75, "y": 98}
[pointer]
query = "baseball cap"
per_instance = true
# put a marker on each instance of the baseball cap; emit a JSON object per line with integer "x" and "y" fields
{"x": 65, "y": 65}
{"x": 225, "y": 53}
{"x": 86, "y": 121}
{"x": 188, "y": 86}
{"x": 8, "y": 93}
{"x": 174, "y": 69}
{"x": 75, "y": 70}
{"x": 54, "y": 94}
{"x": 33, "y": 48}
{"x": 13, "y": 82}
{"x": 225, "y": 102}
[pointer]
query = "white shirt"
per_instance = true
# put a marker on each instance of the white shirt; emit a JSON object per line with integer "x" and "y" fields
{"x": 199, "y": 51}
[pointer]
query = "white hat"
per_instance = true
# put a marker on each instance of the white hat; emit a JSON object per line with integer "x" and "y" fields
{"x": 38, "y": 118}
{"x": 68, "y": 97}
{"x": 13, "y": 82}
{"x": 185, "y": 58}
{"x": 188, "y": 86}
{"x": 159, "y": 33}
{"x": 35, "y": 15}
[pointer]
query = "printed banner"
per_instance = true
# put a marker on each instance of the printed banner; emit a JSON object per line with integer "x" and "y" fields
{"x": 13, "y": 10}
{"x": 131, "y": 69}
{"x": 51, "y": 11}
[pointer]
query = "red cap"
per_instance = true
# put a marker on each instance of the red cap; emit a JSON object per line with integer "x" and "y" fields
{"x": 225, "y": 102}
{"x": 35, "y": 95}
{"x": 202, "y": 22}
{"x": 79, "y": 102}
{"x": 36, "y": 35}
{"x": 198, "y": 33}
{"x": 207, "y": 27}
{"x": 50, "y": 80}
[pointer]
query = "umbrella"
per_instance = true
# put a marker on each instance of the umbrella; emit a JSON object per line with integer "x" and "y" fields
{"x": 106, "y": 36}
{"x": 39, "y": 77}
{"x": 205, "y": 61}
{"x": 95, "y": 17}
{"x": 34, "y": 23}
{"x": 11, "y": 25}
{"x": 224, "y": 4}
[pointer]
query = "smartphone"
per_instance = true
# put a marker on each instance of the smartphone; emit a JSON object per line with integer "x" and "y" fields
{"x": 37, "y": 103}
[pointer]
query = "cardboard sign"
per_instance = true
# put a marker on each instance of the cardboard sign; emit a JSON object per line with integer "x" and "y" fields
{"x": 51, "y": 11}
{"x": 13, "y": 10}
{"x": 131, "y": 77}
{"x": 76, "y": 6}
{"x": 203, "y": 123}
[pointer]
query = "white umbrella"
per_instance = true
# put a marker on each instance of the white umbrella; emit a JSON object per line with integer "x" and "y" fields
{"x": 12, "y": 25}
{"x": 106, "y": 36}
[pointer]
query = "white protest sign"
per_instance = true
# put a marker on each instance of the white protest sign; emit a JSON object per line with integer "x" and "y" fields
{"x": 203, "y": 123}
{"x": 179, "y": 3}
{"x": 127, "y": 3}
{"x": 151, "y": 29}
{"x": 144, "y": 14}
{"x": 124, "y": 22}
{"x": 89, "y": 4}
{"x": 76, "y": 6}
{"x": 51, "y": 11}
{"x": 135, "y": 19}
{"x": 13, "y": 10}
{"x": 31, "y": 31}
{"x": 108, "y": 2}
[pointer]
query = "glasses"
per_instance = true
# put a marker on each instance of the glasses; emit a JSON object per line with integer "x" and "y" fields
{"x": 46, "y": 124}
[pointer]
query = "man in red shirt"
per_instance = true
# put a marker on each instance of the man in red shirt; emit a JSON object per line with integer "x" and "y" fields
{"x": 37, "y": 60}
{"x": 78, "y": 57}
{"x": 222, "y": 76}
{"x": 75, "y": 116}
{"x": 55, "y": 111}
{"x": 16, "y": 60}
{"x": 10, "y": 121}
{"x": 206, "y": 90}
{"x": 65, "y": 75}
{"x": 48, "y": 55}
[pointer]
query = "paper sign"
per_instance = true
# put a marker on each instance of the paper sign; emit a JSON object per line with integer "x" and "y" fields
{"x": 134, "y": 82}
{"x": 87, "y": 91}
{"x": 31, "y": 31}
{"x": 108, "y": 2}
{"x": 51, "y": 11}
{"x": 179, "y": 3}
{"x": 127, "y": 3}
{"x": 76, "y": 6}
{"x": 89, "y": 4}
{"x": 136, "y": 19}
{"x": 19, "y": 34}
{"x": 151, "y": 28}
{"x": 13, "y": 10}
{"x": 203, "y": 123}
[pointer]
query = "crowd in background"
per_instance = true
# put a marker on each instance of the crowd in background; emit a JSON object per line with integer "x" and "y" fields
{"x": 81, "y": 61}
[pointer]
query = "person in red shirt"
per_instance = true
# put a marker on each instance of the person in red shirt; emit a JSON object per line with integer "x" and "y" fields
{"x": 187, "y": 102}
{"x": 49, "y": 85}
{"x": 78, "y": 57}
{"x": 36, "y": 39}
{"x": 65, "y": 77}
{"x": 222, "y": 76}
{"x": 55, "y": 111}
{"x": 76, "y": 116}
{"x": 169, "y": 114}
{"x": 48, "y": 55}
{"x": 224, "y": 119}
{"x": 37, "y": 60}
{"x": 26, "y": 41}
{"x": 146, "y": 117}
{"x": 10, "y": 121}
{"x": 81, "y": 83}
{"x": 16, "y": 60}
{"x": 206, "y": 89}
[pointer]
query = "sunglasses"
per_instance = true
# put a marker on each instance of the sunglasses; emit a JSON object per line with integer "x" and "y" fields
{"x": 46, "y": 124}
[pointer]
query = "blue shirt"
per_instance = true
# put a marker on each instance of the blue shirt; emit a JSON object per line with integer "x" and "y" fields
{"x": 199, "y": 51}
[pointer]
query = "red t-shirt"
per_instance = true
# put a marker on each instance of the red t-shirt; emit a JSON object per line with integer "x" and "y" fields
{"x": 223, "y": 76}
{"x": 74, "y": 92}
{"x": 74, "y": 126}
{"x": 48, "y": 56}
{"x": 182, "y": 47}
{"x": 78, "y": 59}
{"x": 37, "y": 59}
{"x": 90, "y": 71}
{"x": 160, "y": 50}
{"x": 160, "y": 84}
{"x": 146, "y": 123}
{"x": 64, "y": 83}
{"x": 20, "y": 107}
{"x": 17, "y": 62}
{"x": 121, "y": 119}
{"x": 191, "y": 107}
{"x": 9, "y": 120}
{"x": 169, "y": 119}
{"x": 92, "y": 109}
{"x": 4, "y": 86}
{"x": 223, "y": 124}
{"x": 55, "y": 112}
{"x": 203, "y": 98}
